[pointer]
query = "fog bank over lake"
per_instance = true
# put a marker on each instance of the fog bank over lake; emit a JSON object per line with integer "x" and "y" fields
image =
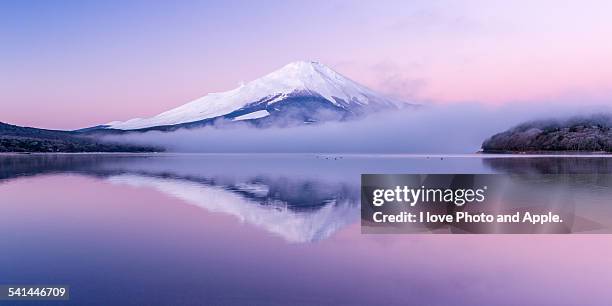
{"x": 431, "y": 129}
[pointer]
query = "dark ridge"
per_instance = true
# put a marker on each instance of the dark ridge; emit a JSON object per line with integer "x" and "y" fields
{"x": 577, "y": 134}
{"x": 26, "y": 139}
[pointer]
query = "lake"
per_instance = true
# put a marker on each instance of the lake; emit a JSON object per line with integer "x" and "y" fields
{"x": 275, "y": 229}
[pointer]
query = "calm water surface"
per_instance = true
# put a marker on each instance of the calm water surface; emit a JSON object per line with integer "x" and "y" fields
{"x": 274, "y": 230}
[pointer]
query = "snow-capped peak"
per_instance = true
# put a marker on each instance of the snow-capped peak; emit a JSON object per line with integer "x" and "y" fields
{"x": 300, "y": 77}
{"x": 316, "y": 78}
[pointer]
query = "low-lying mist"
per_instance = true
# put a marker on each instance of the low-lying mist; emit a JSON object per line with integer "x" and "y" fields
{"x": 457, "y": 128}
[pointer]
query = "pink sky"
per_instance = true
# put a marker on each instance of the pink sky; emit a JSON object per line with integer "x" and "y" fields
{"x": 79, "y": 65}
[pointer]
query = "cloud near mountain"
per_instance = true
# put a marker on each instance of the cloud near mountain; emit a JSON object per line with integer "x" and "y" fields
{"x": 457, "y": 128}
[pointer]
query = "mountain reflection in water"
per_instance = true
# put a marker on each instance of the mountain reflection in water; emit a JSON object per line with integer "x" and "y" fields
{"x": 165, "y": 229}
{"x": 298, "y": 208}
{"x": 299, "y": 197}
{"x": 265, "y": 204}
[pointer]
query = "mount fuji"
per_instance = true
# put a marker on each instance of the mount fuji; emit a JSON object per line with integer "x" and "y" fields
{"x": 301, "y": 92}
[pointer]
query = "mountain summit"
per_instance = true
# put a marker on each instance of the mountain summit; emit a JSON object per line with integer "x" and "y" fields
{"x": 299, "y": 92}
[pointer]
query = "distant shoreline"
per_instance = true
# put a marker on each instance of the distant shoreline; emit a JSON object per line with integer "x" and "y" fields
{"x": 80, "y": 153}
{"x": 319, "y": 155}
{"x": 544, "y": 152}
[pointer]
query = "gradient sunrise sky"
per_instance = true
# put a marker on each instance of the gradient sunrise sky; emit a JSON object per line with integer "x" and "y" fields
{"x": 72, "y": 64}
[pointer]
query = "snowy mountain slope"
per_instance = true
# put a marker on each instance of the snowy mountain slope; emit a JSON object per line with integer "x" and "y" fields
{"x": 301, "y": 88}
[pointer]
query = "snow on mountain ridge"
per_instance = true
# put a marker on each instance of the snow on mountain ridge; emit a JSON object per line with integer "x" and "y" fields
{"x": 297, "y": 77}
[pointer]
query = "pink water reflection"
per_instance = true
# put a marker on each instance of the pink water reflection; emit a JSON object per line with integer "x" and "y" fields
{"x": 116, "y": 244}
